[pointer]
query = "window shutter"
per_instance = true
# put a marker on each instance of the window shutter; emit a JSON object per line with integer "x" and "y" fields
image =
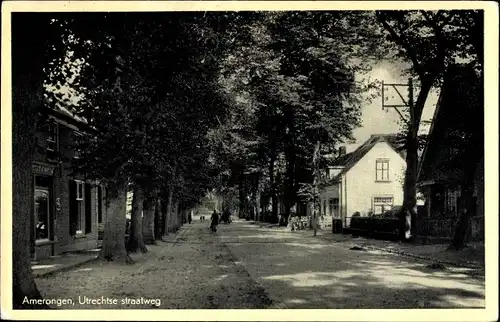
{"x": 73, "y": 209}
{"x": 88, "y": 208}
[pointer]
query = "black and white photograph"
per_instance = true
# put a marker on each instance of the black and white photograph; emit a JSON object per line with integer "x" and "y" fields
{"x": 212, "y": 156}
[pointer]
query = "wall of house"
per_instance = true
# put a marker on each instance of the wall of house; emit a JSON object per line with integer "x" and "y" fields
{"x": 327, "y": 193}
{"x": 45, "y": 167}
{"x": 62, "y": 241}
{"x": 360, "y": 182}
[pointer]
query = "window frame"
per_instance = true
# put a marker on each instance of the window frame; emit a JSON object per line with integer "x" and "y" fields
{"x": 52, "y": 131}
{"x": 99, "y": 203}
{"x": 451, "y": 202}
{"x": 35, "y": 214}
{"x": 79, "y": 199}
{"x": 382, "y": 170}
{"x": 382, "y": 204}
{"x": 80, "y": 194}
{"x": 332, "y": 205}
{"x": 77, "y": 153}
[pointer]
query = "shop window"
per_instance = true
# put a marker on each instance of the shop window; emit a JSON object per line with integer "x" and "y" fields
{"x": 43, "y": 207}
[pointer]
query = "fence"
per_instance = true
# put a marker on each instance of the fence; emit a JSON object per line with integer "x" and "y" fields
{"x": 445, "y": 228}
{"x": 423, "y": 227}
{"x": 305, "y": 222}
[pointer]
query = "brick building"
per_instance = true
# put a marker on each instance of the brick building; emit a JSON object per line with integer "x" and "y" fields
{"x": 67, "y": 209}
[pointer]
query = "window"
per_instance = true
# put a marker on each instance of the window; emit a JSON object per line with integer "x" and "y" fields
{"x": 334, "y": 207}
{"x": 99, "y": 204}
{"x": 77, "y": 137}
{"x": 43, "y": 207}
{"x": 88, "y": 208}
{"x": 452, "y": 196}
{"x": 382, "y": 204}
{"x": 382, "y": 170}
{"x": 79, "y": 190}
{"x": 76, "y": 193}
{"x": 52, "y": 138}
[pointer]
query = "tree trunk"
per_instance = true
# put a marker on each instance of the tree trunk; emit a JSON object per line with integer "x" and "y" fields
{"x": 27, "y": 97}
{"x": 286, "y": 214}
{"x": 169, "y": 209}
{"x": 242, "y": 195}
{"x": 176, "y": 217}
{"x": 148, "y": 222}
{"x": 158, "y": 219}
{"x": 315, "y": 186}
{"x": 113, "y": 248}
{"x": 290, "y": 180}
{"x": 409, "y": 208}
{"x": 257, "y": 198}
{"x": 410, "y": 190}
{"x": 29, "y": 36}
{"x": 272, "y": 183}
{"x": 289, "y": 194}
{"x": 136, "y": 241}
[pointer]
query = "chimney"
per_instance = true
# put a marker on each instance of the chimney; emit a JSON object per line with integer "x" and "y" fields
{"x": 342, "y": 151}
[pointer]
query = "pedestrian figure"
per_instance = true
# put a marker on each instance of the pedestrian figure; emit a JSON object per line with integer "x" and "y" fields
{"x": 190, "y": 218}
{"x": 214, "y": 221}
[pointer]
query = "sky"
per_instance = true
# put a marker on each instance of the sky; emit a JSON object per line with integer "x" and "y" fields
{"x": 377, "y": 121}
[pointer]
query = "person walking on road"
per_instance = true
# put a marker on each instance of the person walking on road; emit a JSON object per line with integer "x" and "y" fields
{"x": 214, "y": 221}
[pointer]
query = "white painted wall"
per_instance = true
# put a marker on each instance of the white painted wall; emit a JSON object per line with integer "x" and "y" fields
{"x": 326, "y": 194}
{"x": 360, "y": 180}
{"x": 333, "y": 171}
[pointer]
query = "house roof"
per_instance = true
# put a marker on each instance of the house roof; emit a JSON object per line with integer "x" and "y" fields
{"x": 458, "y": 114}
{"x": 66, "y": 117}
{"x": 347, "y": 161}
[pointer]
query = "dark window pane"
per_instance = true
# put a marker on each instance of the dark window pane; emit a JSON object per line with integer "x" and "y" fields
{"x": 42, "y": 210}
{"x": 99, "y": 205}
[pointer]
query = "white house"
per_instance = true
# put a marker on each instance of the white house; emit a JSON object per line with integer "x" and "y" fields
{"x": 367, "y": 180}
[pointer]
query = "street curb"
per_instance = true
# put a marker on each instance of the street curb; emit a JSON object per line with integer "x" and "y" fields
{"x": 422, "y": 257}
{"x": 65, "y": 268}
{"x": 275, "y": 303}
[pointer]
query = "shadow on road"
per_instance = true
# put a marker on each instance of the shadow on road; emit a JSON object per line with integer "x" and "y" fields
{"x": 304, "y": 272}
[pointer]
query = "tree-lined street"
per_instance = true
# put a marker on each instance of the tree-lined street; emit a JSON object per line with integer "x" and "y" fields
{"x": 246, "y": 266}
{"x": 128, "y": 124}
